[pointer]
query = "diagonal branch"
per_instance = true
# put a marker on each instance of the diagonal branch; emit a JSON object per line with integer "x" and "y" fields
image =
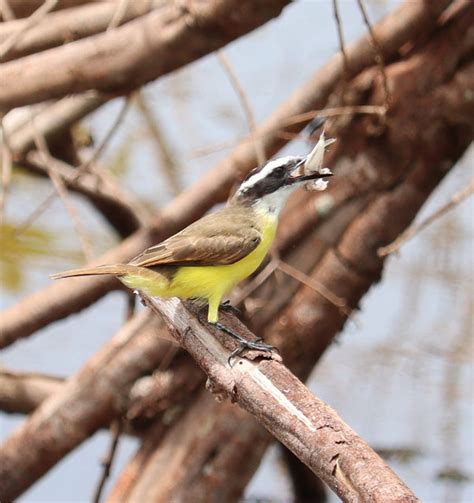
{"x": 59, "y": 425}
{"x": 302, "y": 422}
{"x": 134, "y": 54}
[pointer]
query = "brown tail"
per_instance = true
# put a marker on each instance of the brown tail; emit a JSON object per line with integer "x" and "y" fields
{"x": 116, "y": 270}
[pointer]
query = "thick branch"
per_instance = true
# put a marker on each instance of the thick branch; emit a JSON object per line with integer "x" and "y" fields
{"x": 134, "y": 54}
{"x": 302, "y": 422}
{"x": 67, "y": 25}
{"x": 24, "y": 8}
{"x": 23, "y": 392}
{"x": 86, "y": 402}
{"x": 59, "y": 300}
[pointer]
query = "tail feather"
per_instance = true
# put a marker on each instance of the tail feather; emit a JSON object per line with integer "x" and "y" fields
{"x": 116, "y": 270}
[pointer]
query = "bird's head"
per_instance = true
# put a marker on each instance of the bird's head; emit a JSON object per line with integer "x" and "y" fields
{"x": 271, "y": 184}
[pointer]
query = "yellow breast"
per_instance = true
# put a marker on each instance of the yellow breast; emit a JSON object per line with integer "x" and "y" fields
{"x": 213, "y": 282}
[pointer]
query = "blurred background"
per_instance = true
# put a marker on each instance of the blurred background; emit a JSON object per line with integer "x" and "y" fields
{"x": 401, "y": 373}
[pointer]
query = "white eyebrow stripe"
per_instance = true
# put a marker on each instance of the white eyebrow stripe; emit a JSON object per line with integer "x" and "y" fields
{"x": 267, "y": 168}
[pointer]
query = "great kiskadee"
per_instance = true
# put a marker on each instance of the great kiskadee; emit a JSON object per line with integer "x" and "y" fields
{"x": 207, "y": 258}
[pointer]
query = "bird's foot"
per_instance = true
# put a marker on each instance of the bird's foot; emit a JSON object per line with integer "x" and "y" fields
{"x": 244, "y": 344}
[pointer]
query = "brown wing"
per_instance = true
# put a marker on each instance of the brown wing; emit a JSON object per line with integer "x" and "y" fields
{"x": 221, "y": 238}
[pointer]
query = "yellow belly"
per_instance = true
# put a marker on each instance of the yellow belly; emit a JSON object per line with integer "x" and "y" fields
{"x": 213, "y": 282}
{"x": 209, "y": 283}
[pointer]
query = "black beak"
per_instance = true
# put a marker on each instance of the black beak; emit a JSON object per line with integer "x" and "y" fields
{"x": 305, "y": 177}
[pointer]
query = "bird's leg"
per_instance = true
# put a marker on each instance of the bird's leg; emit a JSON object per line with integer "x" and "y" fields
{"x": 244, "y": 344}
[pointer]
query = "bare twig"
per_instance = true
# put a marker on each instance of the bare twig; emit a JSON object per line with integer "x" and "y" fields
{"x": 86, "y": 166}
{"x": 259, "y": 279}
{"x": 119, "y": 14}
{"x": 22, "y": 392}
{"x": 245, "y": 103}
{"x": 111, "y": 62}
{"x": 165, "y": 156}
{"x": 35, "y": 18}
{"x": 58, "y": 426}
{"x": 98, "y": 151}
{"x": 124, "y": 211}
{"x": 64, "y": 195}
{"x": 115, "y": 432}
{"x": 6, "y": 167}
{"x": 379, "y": 58}
{"x": 416, "y": 228}
{"x": 314, "y": 285}
{"x": 342, "y": 46}
{"x": 296, "y": 119}
{"x": 65, "y": 26}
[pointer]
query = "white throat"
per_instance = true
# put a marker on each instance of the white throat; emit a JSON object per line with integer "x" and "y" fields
{"x": 274, "y": 202}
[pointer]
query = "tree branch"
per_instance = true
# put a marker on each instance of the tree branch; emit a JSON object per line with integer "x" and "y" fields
{"x": 306, "y": 425}
{"x": 122, "y": 210}
{"x": 65, "y": 26}
{"x": 133, "y": 54}
{"x": 88, "y": 401}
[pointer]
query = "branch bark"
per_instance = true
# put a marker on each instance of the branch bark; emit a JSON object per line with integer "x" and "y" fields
{"x": 125, "y": 214}
{"x": 306, "y": 425}
{"x": 89, "y": 400}
{"x": 24, "y": 8}
{"x": 67, "y": 25}
{"x": 133, "y": 54}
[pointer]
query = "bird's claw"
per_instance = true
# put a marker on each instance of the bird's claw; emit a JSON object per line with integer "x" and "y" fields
{"x": 256, "y": 345}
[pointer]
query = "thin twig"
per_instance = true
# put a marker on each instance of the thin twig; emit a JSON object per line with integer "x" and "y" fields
{"x": 314, "y": 285}
{"x": 63, "y": 193}
{"x": 85, "y": 166}
{"x": 342, "y": 46}
{"x": 119, "y": 14}
{"x": 415, "y": 229}
{"x": 131, "y": 305}
{"x": 225, "y": 63}
{"x": 379, "y": 59}
{"x": 103, "y": 144}
{"x": 258, "y": 280}
{"x": 162, "y": 150}
{"x": 292, "y": 120}
{"x": 115, "y": 432}
{"x": 6, "y": 167}
{"x": 35, "y": 18}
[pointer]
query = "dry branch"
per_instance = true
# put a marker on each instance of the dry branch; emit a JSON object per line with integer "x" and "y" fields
{"x": 302, "y": 422}
{"x": 59, "y": 300}
{"x": 138, "y": 52}
{"x": 22, "y": 392}
{"x": 7, "y": 45}
{"x": 51, "y": 121}
{"x": 64, "y": 26}
{"x": 122, "y": 210}
{"x": 415, "y": 229}
{"x": 88, "y": 401}
{"x": 24, "y": 8}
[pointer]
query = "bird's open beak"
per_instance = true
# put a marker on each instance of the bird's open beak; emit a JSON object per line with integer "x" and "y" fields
{"x": 297, "y": 176}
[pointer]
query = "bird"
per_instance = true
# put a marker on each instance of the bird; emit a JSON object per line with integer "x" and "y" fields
{"x": 210, "y": 256}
